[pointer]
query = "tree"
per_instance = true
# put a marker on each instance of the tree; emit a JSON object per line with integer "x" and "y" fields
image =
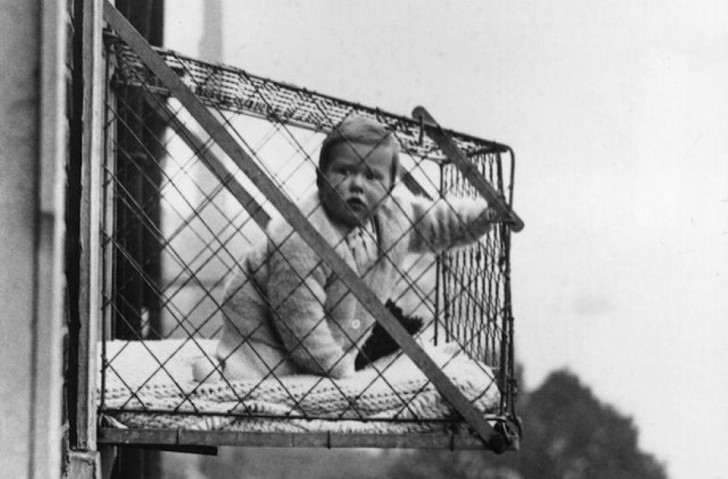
{"x": 569, "y": 434}
{"x": 574, "y": 435}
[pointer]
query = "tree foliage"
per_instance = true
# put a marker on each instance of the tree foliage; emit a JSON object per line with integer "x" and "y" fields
{"x": 568, "y": 434}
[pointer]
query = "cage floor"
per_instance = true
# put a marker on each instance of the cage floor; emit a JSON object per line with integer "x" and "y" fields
{"x": 150, "y": 396}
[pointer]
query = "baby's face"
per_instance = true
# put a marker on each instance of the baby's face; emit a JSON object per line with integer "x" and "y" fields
{"x": 358, "y": 178}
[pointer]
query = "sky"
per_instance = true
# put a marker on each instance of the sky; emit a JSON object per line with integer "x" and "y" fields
{"x": 618, "y": 114}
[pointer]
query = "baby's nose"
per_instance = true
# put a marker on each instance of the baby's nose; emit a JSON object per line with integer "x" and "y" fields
{"x": 356, "y": 182}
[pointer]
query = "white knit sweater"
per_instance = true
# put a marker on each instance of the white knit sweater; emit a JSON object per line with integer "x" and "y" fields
{"x": 285, "y": 312}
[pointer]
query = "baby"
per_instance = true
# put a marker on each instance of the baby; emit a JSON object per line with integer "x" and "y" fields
{"x": 285, "y": 312}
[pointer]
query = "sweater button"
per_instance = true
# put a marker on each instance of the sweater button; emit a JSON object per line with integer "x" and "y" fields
{"x": 356, "y": 324}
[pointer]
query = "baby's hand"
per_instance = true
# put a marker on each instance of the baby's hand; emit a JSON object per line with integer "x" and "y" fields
{"x": 491, "y": 214}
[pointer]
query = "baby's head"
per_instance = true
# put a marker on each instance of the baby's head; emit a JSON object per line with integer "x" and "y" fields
{"x": 358, "y": 167}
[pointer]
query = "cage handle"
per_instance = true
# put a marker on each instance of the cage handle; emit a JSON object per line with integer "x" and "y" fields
{"x": 444, "y": 140}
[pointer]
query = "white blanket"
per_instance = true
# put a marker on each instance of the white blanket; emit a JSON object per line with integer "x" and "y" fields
{"x": 149, "y": 384}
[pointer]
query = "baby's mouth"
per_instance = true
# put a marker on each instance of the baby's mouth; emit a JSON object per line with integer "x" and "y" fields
{"x": 356, "y": 204}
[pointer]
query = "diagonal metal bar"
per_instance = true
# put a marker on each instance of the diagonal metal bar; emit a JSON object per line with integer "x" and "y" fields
{"x": 210, "y": 160}
{"x": 453, "y": 153}
{"x": 298, "y": 221}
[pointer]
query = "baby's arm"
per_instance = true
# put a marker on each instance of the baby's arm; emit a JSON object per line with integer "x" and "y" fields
{"x": 296, "y": 291}
{"x": 447, "y": 224}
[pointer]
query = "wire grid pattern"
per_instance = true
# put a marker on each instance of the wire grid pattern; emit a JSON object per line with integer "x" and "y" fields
{"x": 474, "y": 278}
{"x": 227, "y": 88}
{"x": 174, "y": 232}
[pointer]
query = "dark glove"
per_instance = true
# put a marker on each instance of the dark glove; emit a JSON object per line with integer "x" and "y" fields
{"x": 380, "y": 343}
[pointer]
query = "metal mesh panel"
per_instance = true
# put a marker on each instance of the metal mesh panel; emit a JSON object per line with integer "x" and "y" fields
{"x": 175, "y": 233}
{"x": 474, "y": 278}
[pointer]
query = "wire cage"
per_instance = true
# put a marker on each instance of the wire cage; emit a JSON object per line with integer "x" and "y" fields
{"x": 179, "y": 218}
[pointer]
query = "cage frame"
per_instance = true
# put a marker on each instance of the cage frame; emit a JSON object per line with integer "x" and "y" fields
{"x": 506, "y": 437}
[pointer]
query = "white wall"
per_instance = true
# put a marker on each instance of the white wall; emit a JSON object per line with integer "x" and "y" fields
{"x": 31, "y": 104}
